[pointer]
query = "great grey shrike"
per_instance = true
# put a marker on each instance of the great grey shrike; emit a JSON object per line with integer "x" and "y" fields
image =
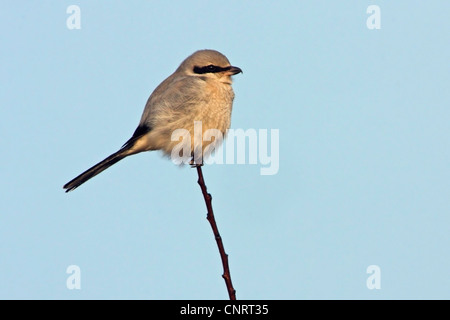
{"x": 198, "y": 91}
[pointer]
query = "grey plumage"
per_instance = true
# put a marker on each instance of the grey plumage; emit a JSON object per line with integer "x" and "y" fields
{"x": 199, "y": 90}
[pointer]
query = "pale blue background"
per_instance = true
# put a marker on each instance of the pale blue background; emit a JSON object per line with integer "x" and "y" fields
{"x": 364, "y": 174}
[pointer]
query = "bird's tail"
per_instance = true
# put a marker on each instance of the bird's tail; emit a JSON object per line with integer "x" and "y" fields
{"x": 132, "y": 146}
{"x": 95, "y": 170}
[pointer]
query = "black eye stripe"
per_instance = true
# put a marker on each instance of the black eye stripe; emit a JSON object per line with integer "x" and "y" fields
{"x": 210, "y": 69}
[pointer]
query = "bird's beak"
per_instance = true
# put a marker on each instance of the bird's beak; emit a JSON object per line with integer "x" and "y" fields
{"x": 233, "y": 70}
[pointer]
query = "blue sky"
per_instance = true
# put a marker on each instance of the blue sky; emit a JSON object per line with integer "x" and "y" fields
{"x": 363, "y": 118}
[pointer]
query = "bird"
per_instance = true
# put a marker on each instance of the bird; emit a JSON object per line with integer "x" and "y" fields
{"x": 200, "y": 90}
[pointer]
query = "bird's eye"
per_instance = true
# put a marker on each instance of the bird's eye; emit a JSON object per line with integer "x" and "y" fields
{"x": 209, "y": 69}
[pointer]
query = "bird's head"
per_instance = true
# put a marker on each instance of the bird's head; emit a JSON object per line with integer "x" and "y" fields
{"x": 209, "y": 64}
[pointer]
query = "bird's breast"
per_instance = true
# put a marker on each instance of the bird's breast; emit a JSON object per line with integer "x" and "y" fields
{"x": 216, "y": 111}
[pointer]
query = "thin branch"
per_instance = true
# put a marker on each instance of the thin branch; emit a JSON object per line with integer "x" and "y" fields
{"x": 210, "y": 216}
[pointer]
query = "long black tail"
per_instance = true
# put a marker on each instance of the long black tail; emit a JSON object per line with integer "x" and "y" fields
{"x": 95, "y": 170}
{"x": 127, "y": 149}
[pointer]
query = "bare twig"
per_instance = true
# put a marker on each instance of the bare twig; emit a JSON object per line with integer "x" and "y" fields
{"x": 210, "y": 216}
